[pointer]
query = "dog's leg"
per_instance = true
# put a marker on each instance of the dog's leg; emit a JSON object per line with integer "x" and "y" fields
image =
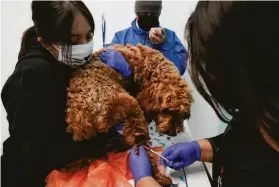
{"x": 136, "y": 133}
{"x": 158, "y": 176}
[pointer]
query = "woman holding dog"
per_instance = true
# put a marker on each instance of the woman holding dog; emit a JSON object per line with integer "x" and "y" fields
{"x": 233, "y": 49}
{"x": 35, "y": 94}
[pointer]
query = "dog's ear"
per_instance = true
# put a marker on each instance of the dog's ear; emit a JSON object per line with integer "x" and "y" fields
{"x": 167, "y": 104}
{"x": 163, "y": 124}
{"x": 178, "y": 122}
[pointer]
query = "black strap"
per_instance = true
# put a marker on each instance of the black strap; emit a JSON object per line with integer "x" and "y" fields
{"x": 208, "y": 174}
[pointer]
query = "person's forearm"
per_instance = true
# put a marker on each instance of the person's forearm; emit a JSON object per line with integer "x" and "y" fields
{"x": 206, "y": 150}
{"x": 147, "y": 181}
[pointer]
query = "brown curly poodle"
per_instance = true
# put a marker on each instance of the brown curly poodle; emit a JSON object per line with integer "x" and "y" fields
{"x": 164, "y": 96}
{"x": 98, "y": 100}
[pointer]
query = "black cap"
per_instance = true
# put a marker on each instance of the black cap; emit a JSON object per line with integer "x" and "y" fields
{"x": 148, "y": 6}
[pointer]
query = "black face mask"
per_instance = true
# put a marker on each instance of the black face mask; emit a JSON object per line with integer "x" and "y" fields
{"x": 146, "y": 22}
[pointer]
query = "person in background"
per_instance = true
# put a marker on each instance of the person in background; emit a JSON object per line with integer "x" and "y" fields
{"x": 35, "y": 95}
{"x": 146, "y": 30}
{"x": 234, "y": 65}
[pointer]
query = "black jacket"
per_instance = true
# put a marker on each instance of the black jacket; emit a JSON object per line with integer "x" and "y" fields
{"x": 34, "y": 97}
{"x": 242, "y": 158}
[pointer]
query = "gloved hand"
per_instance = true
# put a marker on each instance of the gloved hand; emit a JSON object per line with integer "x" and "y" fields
{"x": 116, "y": 61}
{"x": 140, "y": 164}
{"x": 181, "y": 155}
{"x": 119, "y": 126}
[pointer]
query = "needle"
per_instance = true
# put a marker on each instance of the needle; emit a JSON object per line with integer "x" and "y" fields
{"x": 154, "y": 152}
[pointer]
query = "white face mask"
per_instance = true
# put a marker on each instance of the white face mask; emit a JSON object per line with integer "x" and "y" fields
{"x": 80, "y": 55}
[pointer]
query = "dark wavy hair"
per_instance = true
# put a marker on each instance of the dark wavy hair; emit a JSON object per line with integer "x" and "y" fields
{"x": 234, "y": 60}
{"x": 53, "y": 22}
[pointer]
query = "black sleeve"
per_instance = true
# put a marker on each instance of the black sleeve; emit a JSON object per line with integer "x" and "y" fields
{"x": 38, "y": 142}
{"x": 28, "y": 99}
{"x": 216, "y": 143}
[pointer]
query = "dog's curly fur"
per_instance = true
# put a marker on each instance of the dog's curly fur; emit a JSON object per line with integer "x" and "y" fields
{"x": 98, "y": 100}
{"x": 164, "y": 96}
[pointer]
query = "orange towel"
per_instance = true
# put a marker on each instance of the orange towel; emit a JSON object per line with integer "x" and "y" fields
{"x": 111, "y": 172}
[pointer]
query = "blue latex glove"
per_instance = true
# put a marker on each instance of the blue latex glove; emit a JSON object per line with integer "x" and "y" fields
{"x": 140, "y": 164}
{"x": 119, "y": 127}
{"x": 116, "y": 61}
{"x": 181, "y": 155}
